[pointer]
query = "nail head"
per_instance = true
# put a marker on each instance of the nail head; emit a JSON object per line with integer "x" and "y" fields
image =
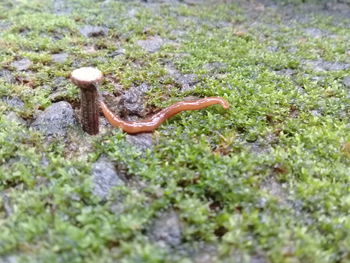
{"x": 85, "y": 77}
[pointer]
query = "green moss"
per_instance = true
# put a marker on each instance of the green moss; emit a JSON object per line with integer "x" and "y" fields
{"x": 266, "y": 179}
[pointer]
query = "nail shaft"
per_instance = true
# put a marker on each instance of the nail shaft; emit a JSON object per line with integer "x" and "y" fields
{"x": 87, "y": 80}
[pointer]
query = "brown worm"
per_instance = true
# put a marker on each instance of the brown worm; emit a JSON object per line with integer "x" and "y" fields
{"x": 153, "y": 123}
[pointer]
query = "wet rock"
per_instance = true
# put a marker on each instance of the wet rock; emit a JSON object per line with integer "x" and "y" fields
{"x": 93, "y": 31}
{"x": 142, "y": 141}
{"x": 346, "y": 81}
{"x": 166, "y": 230}
{"x": 151, "y": 44}
{"x": 13, "y": 117}
{"x": 104, "y": 178}
{"x": 13, "y": 102}
{"x": 132, "y": 101}
{"x": 22, "y": 64}
{"x": 55, "y": 120}
{"x": 60, "y": 57}
{"x": 7, "y": 76}
{"x": 321, "y": 65}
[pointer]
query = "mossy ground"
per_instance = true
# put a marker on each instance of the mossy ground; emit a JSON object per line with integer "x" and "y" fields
{"x": 266, "y": 181}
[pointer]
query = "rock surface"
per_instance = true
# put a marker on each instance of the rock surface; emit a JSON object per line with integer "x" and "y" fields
{"x": 151, "y": 44}
{"x": 7, "y": 76}
{"x": 142, "y": 141}
{"x": 55, "y": 120}
{"x": 22, "y": 64}
{"x": 132, "y": 101}
{"x": 185, "y": 81}
{"x": 60, "y": 57}
{"x": 13, "y": 102}
{"x": 93, "y": 31}
{"x": 321, "y": 65}
{"x": 13, "y": 117}
{"x": 346, "y": 81}
{"x": 104, "y": 177}
{"x": 166, "y": 230}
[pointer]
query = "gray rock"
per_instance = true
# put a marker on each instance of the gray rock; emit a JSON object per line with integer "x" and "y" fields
{"x": 61, "y": 7}
{"x": 118, "y": 52}
{"x": 167, "y": 230}
{"x": 142, "y": 141}
{"x": 7, "y": 76}
{"x": 58, "y": 88}
{"x": 9, "y": 259}
{"x": 6, "y": 202}
{"x": 321, "y": 65}
{"x": 185, "y": 81}
{"x": 55, "y": 120}
{"x": 132, "y": 101}
{"x": 22, "y": 64}
{"x": 60, "y": 57}
{"x": 13, "y": 117}
{"x": 152, "y": 44}
{"x": 104, "y": 177}
{"x": 13, "y": 102}
{"x": 206, "y": 254}
{"x": 346, "y": 81}
{"x": 215, "y": 67}
{"x": 314, "y": 32}
{"x": 93, "y": 31}
{"x": 285, "y": 72}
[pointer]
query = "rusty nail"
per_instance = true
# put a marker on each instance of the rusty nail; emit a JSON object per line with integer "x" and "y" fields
{"x": 87, "y": 79}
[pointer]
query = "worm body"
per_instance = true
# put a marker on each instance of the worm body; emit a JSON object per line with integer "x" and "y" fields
{"x": 153, "y": 123}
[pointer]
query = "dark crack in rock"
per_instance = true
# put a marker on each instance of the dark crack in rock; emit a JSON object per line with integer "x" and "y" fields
{"x": 151, "y": 44}
{"x": 142, "y": 141}
{"x": 60, "y": 57}
{"x": 55, "y": 120}
{"x": 13, "y": 102}
{"x": 22, "y": 64}
{"x": 346, "y": 81}
{"x": 167, "y": 230}
{"x": 321, "y": 65}
{"x": 104, "y": 178}
{"x": 132, "y": 101}
{"x": 93, "y": 31}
